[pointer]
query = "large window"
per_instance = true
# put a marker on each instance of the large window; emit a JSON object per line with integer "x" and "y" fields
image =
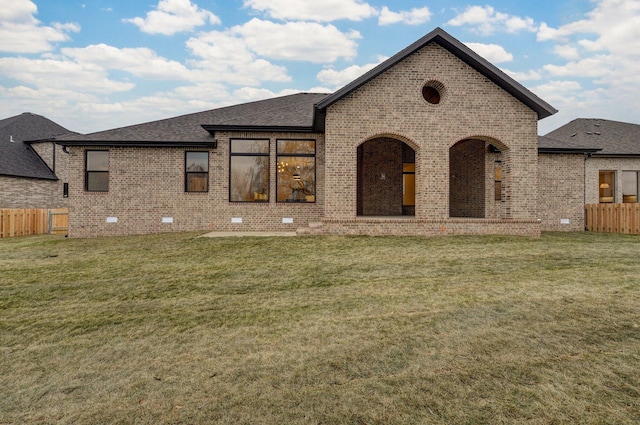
{"x": 249, "y": 171}
{"x": 196, "y": 165}
{"x": 630, "y": 186}
{"x": 296, "y": 177}
{"x": 96, "y": 177}
{"x": 607, "y": 186}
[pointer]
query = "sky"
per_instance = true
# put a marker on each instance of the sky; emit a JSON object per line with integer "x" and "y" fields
{"x": 93, "y": 65}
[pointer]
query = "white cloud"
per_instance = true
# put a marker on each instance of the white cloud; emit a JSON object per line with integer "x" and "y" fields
{"x": 225, "y": 57}
{"x": 241, "y": 54}
{"x": 61, "y": 75}
{"x": 250, "y": 94}
{"x": 338, "y": 79}
{"x": 416, "y": 16}
{"x": 204, "y": 90}
{"x": 313, "y": 10}
{"x": 141, "y": 62}
{"x": 19, "y": 11}
{"x": 21, "y": 32}
{"x": 560, "y": 93}
{"x": 294, "y": 41}
{"x": 546, "y": 33}
{"x": 523, "y": 76}
{"x": 567, "y": 51}
{"x": 173, "y": 16}
{"x": 491, "y": 52}
{"x": 592, "y": 67}
{"x": 515, "y": 24}
{"x": 485, "y": 20}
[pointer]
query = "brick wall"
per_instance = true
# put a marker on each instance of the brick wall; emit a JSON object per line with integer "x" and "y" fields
{"x": 381, "y": 177}
{"x": 18, "y": 192}
{"x": 147, "y": 185}
{"x": 467, "y": 179}
{"x": 561, "y": 192}
{"x": 472, "y": 107}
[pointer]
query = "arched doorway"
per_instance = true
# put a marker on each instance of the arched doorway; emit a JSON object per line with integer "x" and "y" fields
{"x": 476, "y": 172}
{"x": 386, "y": 178}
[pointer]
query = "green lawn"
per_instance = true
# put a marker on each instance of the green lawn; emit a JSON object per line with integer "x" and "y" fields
{"x": 174, "y": 329}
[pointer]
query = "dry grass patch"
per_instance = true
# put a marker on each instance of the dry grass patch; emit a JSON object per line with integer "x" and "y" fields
{"x": 173, "y": 329}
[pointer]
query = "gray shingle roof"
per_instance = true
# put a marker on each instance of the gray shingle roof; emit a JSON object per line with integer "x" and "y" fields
{"x": 295, "y": 110}
{"x": 612, "y": 137}
{"x": 17, "y": 158}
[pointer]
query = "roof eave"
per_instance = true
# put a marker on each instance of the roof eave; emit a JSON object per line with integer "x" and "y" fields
{"x": 139, "y": 144}
{"x": 617, "y": 155}
{"x": 259, "y": 128}
{"x": 53, "y": 178}
{"x": 568, "y": 150}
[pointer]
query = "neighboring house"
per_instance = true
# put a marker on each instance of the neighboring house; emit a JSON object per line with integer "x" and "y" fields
{"x": 435, "y": 140}
{"x": 612, "y": 170}
{"x": 33, "y": 169}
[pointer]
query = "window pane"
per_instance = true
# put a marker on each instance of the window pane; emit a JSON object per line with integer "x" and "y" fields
{"x": 296, "y": 147}
{"x": 497, "y": 186}
{"x": 249, "y": 178}
{"x": 98, "y": 181}
{"x": 97, "y": 160}
{"x": 296, "y": 179}
{"x": 250, "y": 146}
{"x": 197, "y": 182}
{"x": 408, "y": 189}
{"x": 630, "y": 186}
{"x": 408, "y": 184}
{"x": 197, "y": 161}
{"x": 607, "y": 186}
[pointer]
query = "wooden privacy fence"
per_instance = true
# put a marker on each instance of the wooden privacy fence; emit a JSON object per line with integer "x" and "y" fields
{"x": 613, "y": 218}
{"x": 23, "y": 222}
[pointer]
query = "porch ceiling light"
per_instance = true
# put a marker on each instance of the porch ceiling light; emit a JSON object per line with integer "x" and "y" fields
{"x": 604, "y": 186}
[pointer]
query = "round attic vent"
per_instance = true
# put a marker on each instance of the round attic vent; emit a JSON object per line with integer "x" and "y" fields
{"x": 433, "y": 92}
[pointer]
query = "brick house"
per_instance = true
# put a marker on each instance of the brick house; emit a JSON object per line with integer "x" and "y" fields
{"x": 435, "y": 140}
{"x": 33, "y": 168}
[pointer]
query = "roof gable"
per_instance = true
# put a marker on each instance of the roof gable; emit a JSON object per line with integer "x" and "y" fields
{"x": 17, "y": 157}
{"x": 464, "y": 53}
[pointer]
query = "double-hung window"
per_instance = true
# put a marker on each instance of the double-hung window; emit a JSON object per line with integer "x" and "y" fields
{"x": 296, "y": 174}
{"x": 96, "y": 178}
{"x": 196, "y": 172}
{"x": 249, "y": 170}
